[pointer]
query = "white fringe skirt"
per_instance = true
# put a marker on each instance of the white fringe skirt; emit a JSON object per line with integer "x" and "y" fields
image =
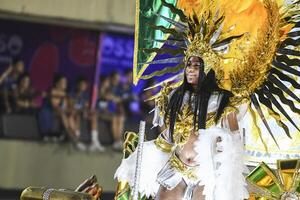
{"x": 220, "y": 171}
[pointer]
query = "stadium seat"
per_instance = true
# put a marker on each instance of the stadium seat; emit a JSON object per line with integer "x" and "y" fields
{"x": 105, "y": 135}
{"x": 18, "y": 126}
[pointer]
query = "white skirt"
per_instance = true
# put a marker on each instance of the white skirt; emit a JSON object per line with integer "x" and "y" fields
{"x": 221, "y": 173}
{"x": 153, "y": 161}
{"x": 221, "y": 166}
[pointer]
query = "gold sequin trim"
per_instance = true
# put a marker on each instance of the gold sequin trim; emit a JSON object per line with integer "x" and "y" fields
{"x": 183, "y": 168}
{"x": 163, "y": 145}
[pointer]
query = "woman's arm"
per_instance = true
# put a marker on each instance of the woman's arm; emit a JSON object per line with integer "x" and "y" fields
{"x": 231, "y": 120}
{"x": 5, "y": 74}
{"x": 21, "y": 103}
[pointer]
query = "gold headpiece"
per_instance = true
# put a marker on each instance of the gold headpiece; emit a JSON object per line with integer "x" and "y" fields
{"x": 195, "y": 35}
{"x": 202, "y": 49}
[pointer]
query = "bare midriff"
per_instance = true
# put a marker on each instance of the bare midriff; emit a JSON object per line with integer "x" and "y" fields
{"x": 187, "y": 153}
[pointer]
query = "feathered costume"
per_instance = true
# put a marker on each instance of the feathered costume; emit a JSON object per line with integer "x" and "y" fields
{"x": 253, "y": 49}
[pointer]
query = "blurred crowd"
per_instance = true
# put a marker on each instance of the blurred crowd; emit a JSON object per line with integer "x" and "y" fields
{"x": 61, "y": 109}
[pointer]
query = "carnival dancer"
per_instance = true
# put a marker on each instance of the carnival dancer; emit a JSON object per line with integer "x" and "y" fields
{"x": 171, "y": 167}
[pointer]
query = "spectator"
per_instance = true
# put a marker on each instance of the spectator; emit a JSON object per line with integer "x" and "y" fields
{"x": 12, "y": 73}
{"x": 118, "y": 117}
{"x": 23, "y": 102}
{"x": 105, "y": 101}
{"x": 56, "y": 108}
{"x": 8, "y": 81}
{"x": 129, "y": 98}
{"x": 4, "y": 98}
{"x": 110, "y": 105}
{"x": 80, "y": 104}
{"x": 53, "y": 106}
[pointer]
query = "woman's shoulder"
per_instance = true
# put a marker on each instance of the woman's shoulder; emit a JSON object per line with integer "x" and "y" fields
{"x": 57, "y": 93}
{"x": 161, "y": 100}
{"x": 167, "y": 89}
{"x": 163, "y": 97}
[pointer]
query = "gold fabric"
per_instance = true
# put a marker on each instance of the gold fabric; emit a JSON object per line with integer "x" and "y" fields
{"x": 184, "y": 169}
{"x": 122, "y": 188}
{"x": 270, "y": 185}
{"x": 262, "y": 27}
{"x": 184, "y": 125}
{"x": 37, "y": 193}
{"x": 163, "y": 145}
{"x": 130, "y": 143}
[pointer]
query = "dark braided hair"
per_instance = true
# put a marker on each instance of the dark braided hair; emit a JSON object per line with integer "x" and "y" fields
{"x": 207, "y": 84}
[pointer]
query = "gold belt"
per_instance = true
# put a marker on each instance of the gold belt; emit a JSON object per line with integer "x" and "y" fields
{"x": 183, "y": 168}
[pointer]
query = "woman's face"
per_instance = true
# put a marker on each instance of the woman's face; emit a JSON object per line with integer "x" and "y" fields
{"x": 25, "y": 82}
{"x": 82, "y": 86}
{"x": 192, "y": 70}
{"x": 62, "y": 84}
{"x": 19, "y": 67}
{"x": 105, "y": 83}
{"x": 115, "y": 79}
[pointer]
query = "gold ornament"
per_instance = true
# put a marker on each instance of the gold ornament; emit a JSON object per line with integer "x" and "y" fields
{"x": 282, "y": 185}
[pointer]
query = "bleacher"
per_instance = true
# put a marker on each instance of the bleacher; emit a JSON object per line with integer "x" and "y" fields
{"x": 26, "y": 159}
{"x": 26, "y": 127}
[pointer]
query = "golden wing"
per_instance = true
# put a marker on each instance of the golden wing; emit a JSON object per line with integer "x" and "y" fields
{"x": 253, "y": 46}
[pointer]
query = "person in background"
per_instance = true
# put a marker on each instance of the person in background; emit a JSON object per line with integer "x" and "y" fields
{"x": 11, "y": 74}
{"x": 119, "y": 113}
{"x": 23, "y": 97}
{"x": 4, "y": 100}
{"x": 108, "y": 107}
{"x": 129, "y": 99}
{"x": 53, "y": 107}
{"x": 56, "y": 107}
{"x": 8, "y": 82}
{"x": 79, "y": 100}
{"x": 105, "y": 99}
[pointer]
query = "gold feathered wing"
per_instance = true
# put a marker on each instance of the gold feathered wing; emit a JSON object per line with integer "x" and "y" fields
{"x": 253, "y": 46}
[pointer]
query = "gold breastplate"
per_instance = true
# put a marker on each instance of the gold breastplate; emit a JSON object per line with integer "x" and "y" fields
{"x": 184, "y": 124}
